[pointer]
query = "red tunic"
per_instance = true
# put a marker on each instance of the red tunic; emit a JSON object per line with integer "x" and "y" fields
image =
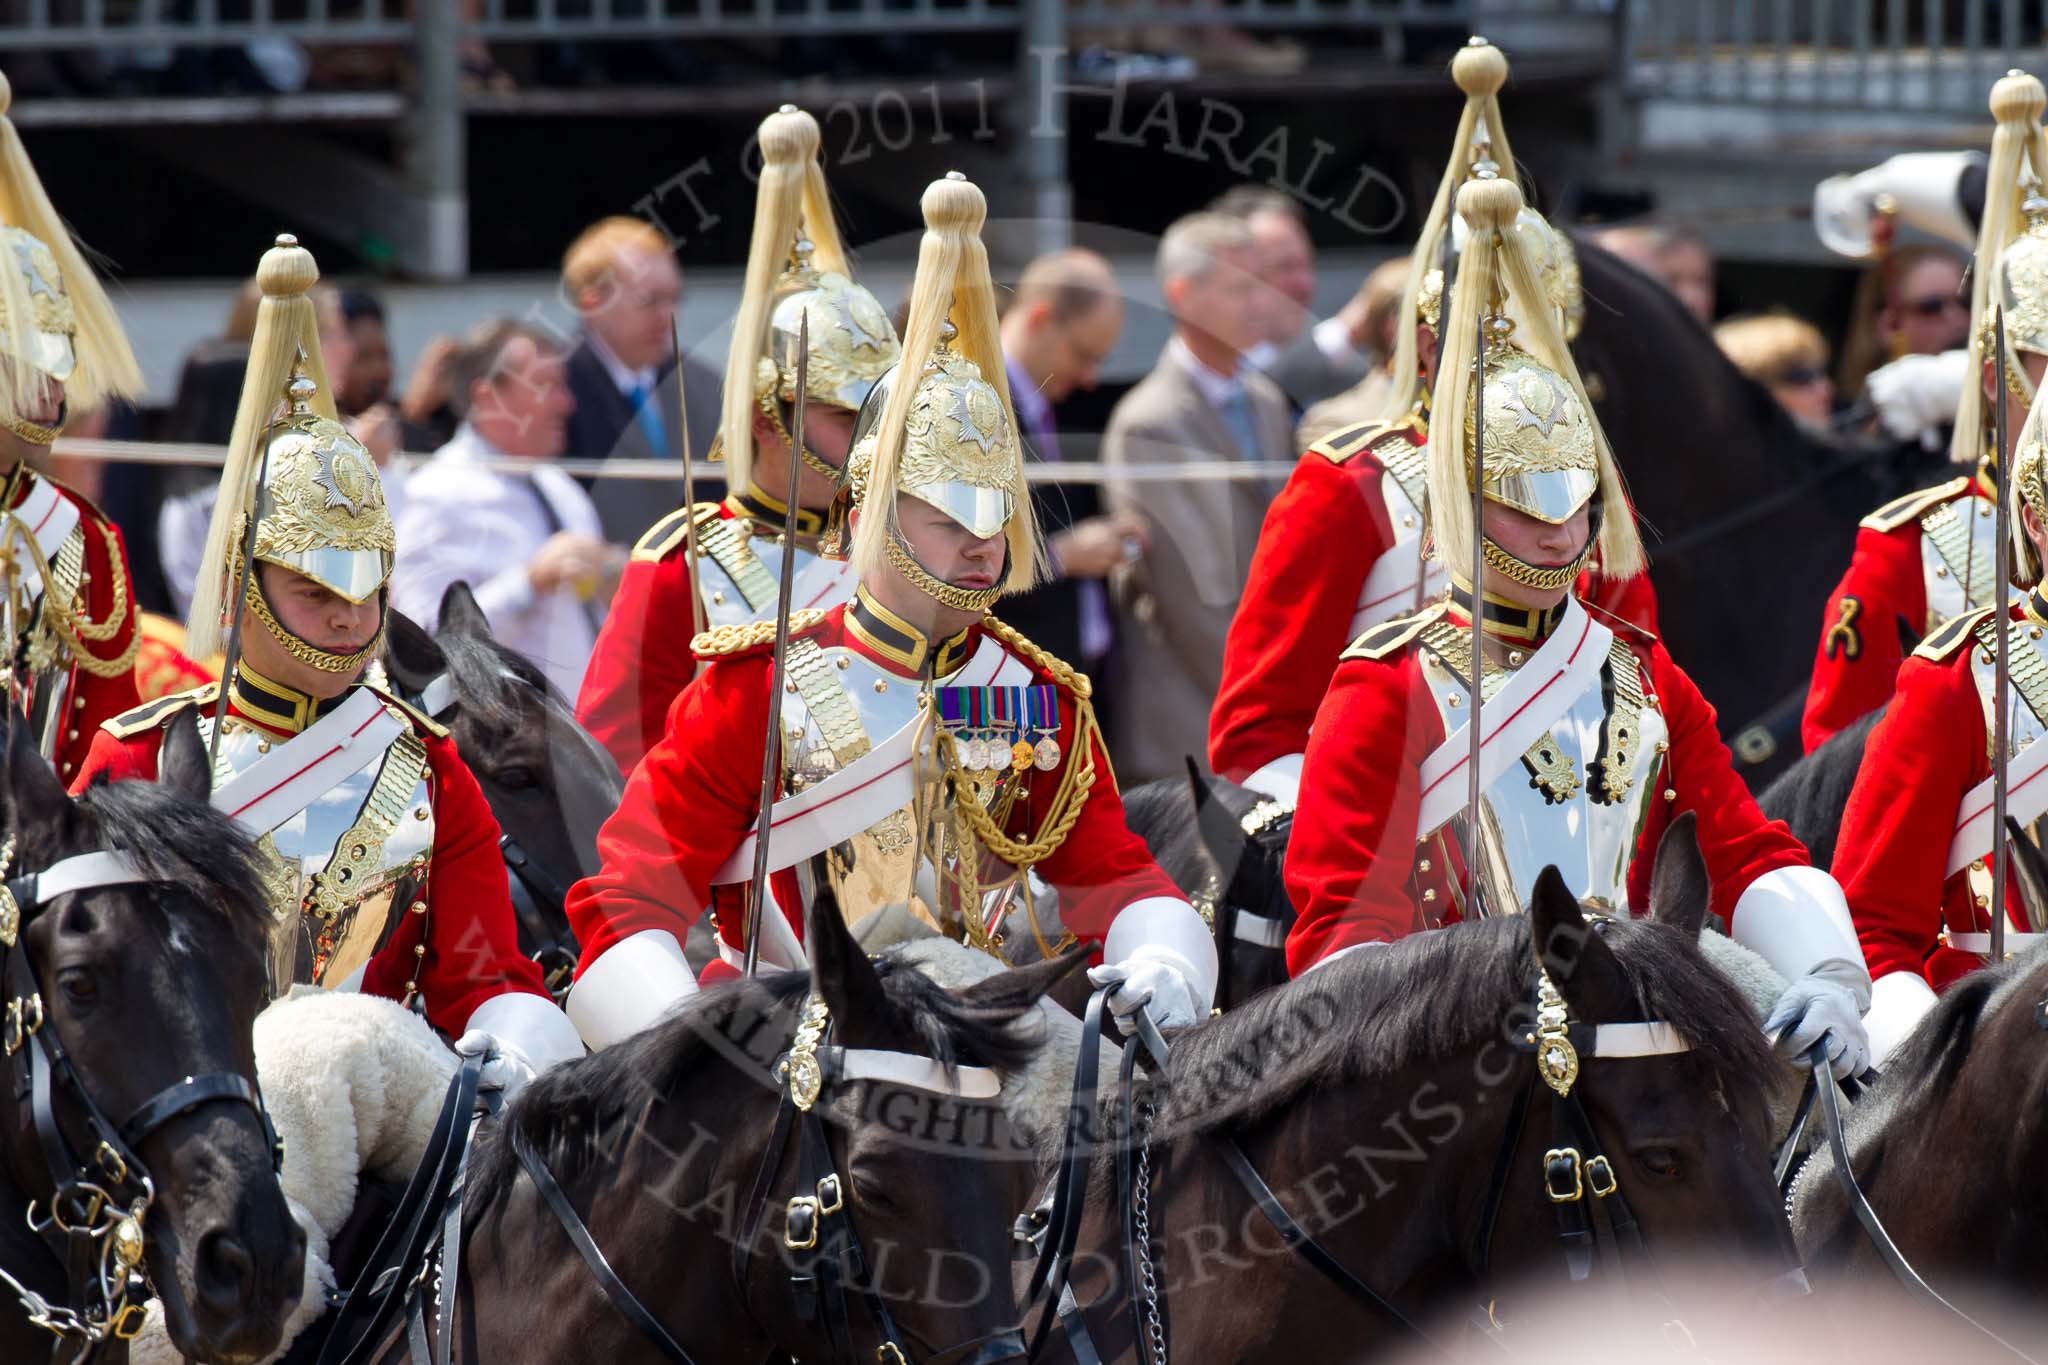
{"x": 642, "y": 658}
{"x": 1321, "y": 537}
{"x": 696, "y": 796}
{"x": 109, "y": 591}
{"x": 1354, "y": 869}
{"x": 1880, "y": 602}
{"x": 468, "y": 930}
{"x": 1891, "y": 858}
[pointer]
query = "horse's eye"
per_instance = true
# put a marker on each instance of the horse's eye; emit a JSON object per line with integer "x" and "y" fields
{"x": 517, "y": 779}
{"x": 1664, "y": 1163}
{"x": 79, "y": 985}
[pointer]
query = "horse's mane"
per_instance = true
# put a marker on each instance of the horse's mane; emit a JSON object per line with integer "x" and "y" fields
{"x": 1374, "y": 1012}
{"x": 489, "y": 677}
{"x": 1935, "y": 1053}
{"x": 568, "y": 1113}
{"x": 186, "y": 843}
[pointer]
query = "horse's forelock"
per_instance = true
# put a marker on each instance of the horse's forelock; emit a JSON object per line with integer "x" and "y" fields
{"x": 183, "y": 842}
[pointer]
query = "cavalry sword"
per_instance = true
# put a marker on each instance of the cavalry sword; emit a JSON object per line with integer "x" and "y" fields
{"x": 697, "y": 622}
{"x": 1472, "y": 830}
{"x": 2002, "y": 663}
{"x": 757, "y": 886}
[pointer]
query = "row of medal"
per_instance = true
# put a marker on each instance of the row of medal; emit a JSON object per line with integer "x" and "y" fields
{"x": 1003, "y": 727}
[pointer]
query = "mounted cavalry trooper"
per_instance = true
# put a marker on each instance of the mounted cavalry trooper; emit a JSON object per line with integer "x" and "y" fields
{"x": 1341, "y": 548}
{"x": 384, "y": 856}
{"x": 930, "y": 756}
{"x": 66, "y": 595}
{"x": 1591, "y": 742}
{"x": 716, "y": 563}
{"x": 1915, "y": 848}
{"x": 1926, "y": 558}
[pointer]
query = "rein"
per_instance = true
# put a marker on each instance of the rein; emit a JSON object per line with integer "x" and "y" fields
{"x": 816, "y": 1218}
{"x": 95, "y": 1208}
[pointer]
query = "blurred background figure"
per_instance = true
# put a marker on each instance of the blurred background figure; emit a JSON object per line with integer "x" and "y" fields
{"x": 1677, "y": 256}
{"x": 1200, "y": 403}
{"x": 1377, "y": 305}
{"x": 1788, "y": 356}
{"x": 1309, "y": 360}
{"x": 1062, "y": 322}
{"x": 528, "y": 543}
{"x": 1914, "y": 300}
{"x": 627, "y": 289}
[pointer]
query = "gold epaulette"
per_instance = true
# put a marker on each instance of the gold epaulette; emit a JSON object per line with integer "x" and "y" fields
{"x": 1341, "y": 447}
{"x": 1384, "y": 639}
{"x": 420, "y": 719}
{"x": 1952, "y": 635}
{"x": 152, "y": 714}
{"x": 1899, "y": 511}
{"x": 1062, "y": 672}
{"x": 722, "y": 642}
{"x": 669, "y": 534}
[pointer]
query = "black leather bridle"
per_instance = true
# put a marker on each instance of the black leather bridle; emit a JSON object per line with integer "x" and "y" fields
{"x": 816, "y": 1221}
{"x": 93, "y": 1207}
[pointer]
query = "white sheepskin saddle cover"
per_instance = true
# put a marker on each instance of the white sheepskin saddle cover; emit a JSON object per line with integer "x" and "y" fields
{"x": 354, "y": 1084}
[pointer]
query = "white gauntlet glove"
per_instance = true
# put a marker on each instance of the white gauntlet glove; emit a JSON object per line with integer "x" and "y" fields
{"x": 1814, "y": 1010}
{"x": 506, "y": 1067}
{"x": 1915, "y": 396}
{"x": 1155, "y": 986}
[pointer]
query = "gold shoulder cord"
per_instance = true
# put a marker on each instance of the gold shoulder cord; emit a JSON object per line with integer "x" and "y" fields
{"x": 74, "y": 634}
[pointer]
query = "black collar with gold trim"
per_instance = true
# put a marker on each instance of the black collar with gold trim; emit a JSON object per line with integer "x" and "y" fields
{"x": 272, "y": 704}
{"x": 895, "y": 641}
{"x": 767, "y": 513}
{"x": 2035, "y": 605}
{"x": 1507, "y": 621}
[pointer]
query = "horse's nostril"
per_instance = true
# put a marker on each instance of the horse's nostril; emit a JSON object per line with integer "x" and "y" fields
{"x": 226, "y": 1272}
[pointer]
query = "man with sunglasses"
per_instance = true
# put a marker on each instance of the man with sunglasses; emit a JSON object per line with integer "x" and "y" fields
{"x": 1927, "y": 558}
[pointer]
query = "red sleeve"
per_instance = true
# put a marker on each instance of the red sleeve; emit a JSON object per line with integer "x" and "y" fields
{"x": 1632, "y": 600}
{"x": 1353, "y": 846}
{"x": 642, "y": 659}
{"x": 470, "y": 936}
{"x": 687, "y": 806}
{"x": 1860, "y": 651}
{"x": 1101, "y": 867}
{"x": 1892, "y": 855}
{"x": 95, "y": 700}
{"x": 1737, "y": 843}
{"x": 1321, "y": 537}
{"x": 119, "y": 759}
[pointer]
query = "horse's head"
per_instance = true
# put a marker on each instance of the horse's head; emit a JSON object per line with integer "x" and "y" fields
{"x": 1684, "y": 1132}
{"x": 548, "y": 782}
{"x": 146, "y": 988}
{"x": 932, "y": 1174}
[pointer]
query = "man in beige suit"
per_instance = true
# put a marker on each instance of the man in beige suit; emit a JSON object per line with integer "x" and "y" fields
{"x": 1200, "y": 404}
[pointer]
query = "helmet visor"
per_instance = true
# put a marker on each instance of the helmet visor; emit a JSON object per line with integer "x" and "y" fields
{"x": 353, "y": 574}
{"x": 983, "y": 511}
{"x": 1554, "y": 495}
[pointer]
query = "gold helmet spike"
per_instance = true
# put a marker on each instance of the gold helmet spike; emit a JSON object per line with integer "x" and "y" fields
{"x": 56, "y": 322}
{"x": 941, "y": 428}
{"x": 1545, "y": 453}
{"x": 320, "y": 509}
{"x": 2010, "y": 273}
{"x": 796, "y": 267}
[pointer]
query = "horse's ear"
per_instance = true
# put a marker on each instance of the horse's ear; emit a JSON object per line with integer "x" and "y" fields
{"x": 181, "y": 763}
{"x": 410, "y": 654}
{"x": 460, "y": 615}
{"x": 1221, "y": 834}
{"x": 1679, "y": 888}
{"x": 33, "y": 802}
{"x": 841, "y": 974}
{"x": 1581, "y": 966}
{"x": 1023, "y": 986}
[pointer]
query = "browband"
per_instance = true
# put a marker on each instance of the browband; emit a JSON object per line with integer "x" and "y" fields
{"x": 920, "y": 1073}
{"x": 83, "y": 872}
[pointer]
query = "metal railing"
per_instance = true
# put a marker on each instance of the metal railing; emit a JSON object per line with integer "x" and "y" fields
{"x": 1894, "y": 56}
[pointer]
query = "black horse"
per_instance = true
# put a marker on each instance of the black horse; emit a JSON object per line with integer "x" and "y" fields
{"x": 1811, "y": 795}
{"x": 1748, "y": 518}
{"x": 1387, "y": 1104}
{"x": 131, "y": 1008}
{"x": 670, "y": 1148}
{"x": 548, "y": 782}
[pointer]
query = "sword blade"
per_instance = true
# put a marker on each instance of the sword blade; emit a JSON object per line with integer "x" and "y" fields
{"x": 697, "y": 621}
{"x": 233, "y": 653}
{"x": 771, "y": 749}
{"x": 1473, "y": 895}
{"x": 2002, "y": 664}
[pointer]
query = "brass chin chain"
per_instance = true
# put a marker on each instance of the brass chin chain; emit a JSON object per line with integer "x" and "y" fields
{"x": 29, "y": 431}
{"x": 813, "y": 461}
{"x": 897, "y": 551}
{"x": 299, "y": 649}
{"x": 1527, "y": 574}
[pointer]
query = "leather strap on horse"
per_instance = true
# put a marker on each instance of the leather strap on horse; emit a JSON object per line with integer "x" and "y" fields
{"x": 1070, "y": 1185}
{"x": 615, "y": 1290}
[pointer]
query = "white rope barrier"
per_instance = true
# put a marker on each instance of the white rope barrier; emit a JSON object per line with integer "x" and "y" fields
{"x": 1076, "y": 472}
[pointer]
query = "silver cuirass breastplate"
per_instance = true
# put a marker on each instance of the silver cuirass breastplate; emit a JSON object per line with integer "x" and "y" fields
{"x": 1560, "y": 803}
{"x": 738, "y": 576}
{"x": 341, "y": 872}
{"x": 1958, "y": 547}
